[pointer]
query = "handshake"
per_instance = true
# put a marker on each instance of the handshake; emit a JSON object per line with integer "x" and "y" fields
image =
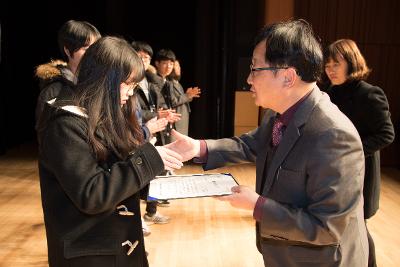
{"x": 185, "y": 148}
{"x": 182, "y": 149}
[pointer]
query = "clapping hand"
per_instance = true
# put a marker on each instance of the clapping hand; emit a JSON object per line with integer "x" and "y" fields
{"x": 169, "y": 114}
{"x": 156, "y": 125}
{"x": 193, "y": 92}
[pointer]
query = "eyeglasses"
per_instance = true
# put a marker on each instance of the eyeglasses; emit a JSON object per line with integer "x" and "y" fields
{"x": 132, "y": 85}
{"x": 145, "y": 57}
{"x": 266, "y": 68}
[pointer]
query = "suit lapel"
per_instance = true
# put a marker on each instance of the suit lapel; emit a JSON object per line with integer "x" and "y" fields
{"x": 290, "y": 137}
{"x": 262, "y": 157}
{"x": 143, "y": 96}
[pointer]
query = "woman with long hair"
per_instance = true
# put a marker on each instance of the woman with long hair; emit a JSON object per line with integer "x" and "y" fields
{"x": 93, "y": 163}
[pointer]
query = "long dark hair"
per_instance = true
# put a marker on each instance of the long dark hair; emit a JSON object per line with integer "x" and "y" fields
{"x": 105, "y": 65}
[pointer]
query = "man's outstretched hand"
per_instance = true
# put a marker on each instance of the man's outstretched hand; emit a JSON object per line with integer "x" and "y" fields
{"x": 185, "y": 146}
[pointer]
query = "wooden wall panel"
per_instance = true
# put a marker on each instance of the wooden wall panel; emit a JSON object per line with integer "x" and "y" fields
{"x": 278, "y": 10}
{"x": 374, "y": 25}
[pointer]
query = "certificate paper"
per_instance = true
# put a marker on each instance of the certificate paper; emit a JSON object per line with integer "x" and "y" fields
{"x": 191, "y": 185}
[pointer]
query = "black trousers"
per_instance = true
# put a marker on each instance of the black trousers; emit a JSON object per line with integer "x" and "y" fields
{"x": 151, "y": 207}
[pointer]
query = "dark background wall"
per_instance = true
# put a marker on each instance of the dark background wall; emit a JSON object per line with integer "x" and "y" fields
{"x": 208, "y": 36}
{"x": 212, "y": 39}
{"x": 29, "y": 38}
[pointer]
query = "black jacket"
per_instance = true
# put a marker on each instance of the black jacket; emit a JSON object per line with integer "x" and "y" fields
{"x": 82, "y": 197}
{"x": 149, "y": 108}
{"x": 53, "y": 79}
{"x": 367, "y": 107}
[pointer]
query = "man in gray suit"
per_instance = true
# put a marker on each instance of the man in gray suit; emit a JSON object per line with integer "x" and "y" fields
{"x": 308, "y": 204}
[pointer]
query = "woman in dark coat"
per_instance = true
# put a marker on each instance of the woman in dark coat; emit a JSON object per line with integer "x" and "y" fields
{"x": 92, "y": 163}
{"x": 367, "y": 107}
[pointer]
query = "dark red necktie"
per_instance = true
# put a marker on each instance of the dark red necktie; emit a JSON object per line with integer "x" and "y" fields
{"x": 277, "y": 132}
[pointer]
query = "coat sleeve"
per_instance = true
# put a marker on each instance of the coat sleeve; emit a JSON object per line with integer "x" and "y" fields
{"x": 178, "y": 95}
{"x": 173, "y": 96}
{"x": 235, "y": 150}
{"x": 334, "y": 177}
{"x": 91, "y": 188}
{"x": 229, "y": 151}
{"x": 378, "y": 127}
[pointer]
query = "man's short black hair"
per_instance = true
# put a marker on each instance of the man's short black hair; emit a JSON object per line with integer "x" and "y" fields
{"x": 73, "y": 35}
{"x": 142, "y": 46}
{"x": 165, "y": 54}
{"x": 293, "y": 44}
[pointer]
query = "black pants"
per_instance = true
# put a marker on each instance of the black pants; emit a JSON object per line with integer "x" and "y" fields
{"x": 371, "y": 246}
{"x": 151, "y": 207}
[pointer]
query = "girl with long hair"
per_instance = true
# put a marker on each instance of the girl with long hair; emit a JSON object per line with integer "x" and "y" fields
{"x": 93, "y": 163}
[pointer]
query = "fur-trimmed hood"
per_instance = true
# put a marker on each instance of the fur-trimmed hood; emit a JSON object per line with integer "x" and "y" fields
{"x": 50, "y": 70}
{"x": 53, "y": 71}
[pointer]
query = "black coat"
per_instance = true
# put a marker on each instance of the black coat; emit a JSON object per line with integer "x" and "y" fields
{"x": 149, "y": 108}
{"x": 367, "y": 107}
{"x": 52, "y": 82}
{"x": 81, "y": 197}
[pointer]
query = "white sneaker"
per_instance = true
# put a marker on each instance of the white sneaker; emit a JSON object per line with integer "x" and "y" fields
{"x": 156, "y": 218}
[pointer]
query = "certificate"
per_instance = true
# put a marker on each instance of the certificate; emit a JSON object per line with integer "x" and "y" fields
{"x": 191, "y": 185}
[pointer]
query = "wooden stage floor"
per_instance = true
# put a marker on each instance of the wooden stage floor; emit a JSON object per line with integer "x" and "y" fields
{"x": 202, "y": 231}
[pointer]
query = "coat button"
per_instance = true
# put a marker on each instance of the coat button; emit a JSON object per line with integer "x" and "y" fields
{"x": 131, "y": 246}
{"x": 138, "y": 161}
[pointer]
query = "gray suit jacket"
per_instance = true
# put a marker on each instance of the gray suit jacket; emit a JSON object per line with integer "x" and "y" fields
{"x": 180, "y": 102}
{"x": 313, "y": 215}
